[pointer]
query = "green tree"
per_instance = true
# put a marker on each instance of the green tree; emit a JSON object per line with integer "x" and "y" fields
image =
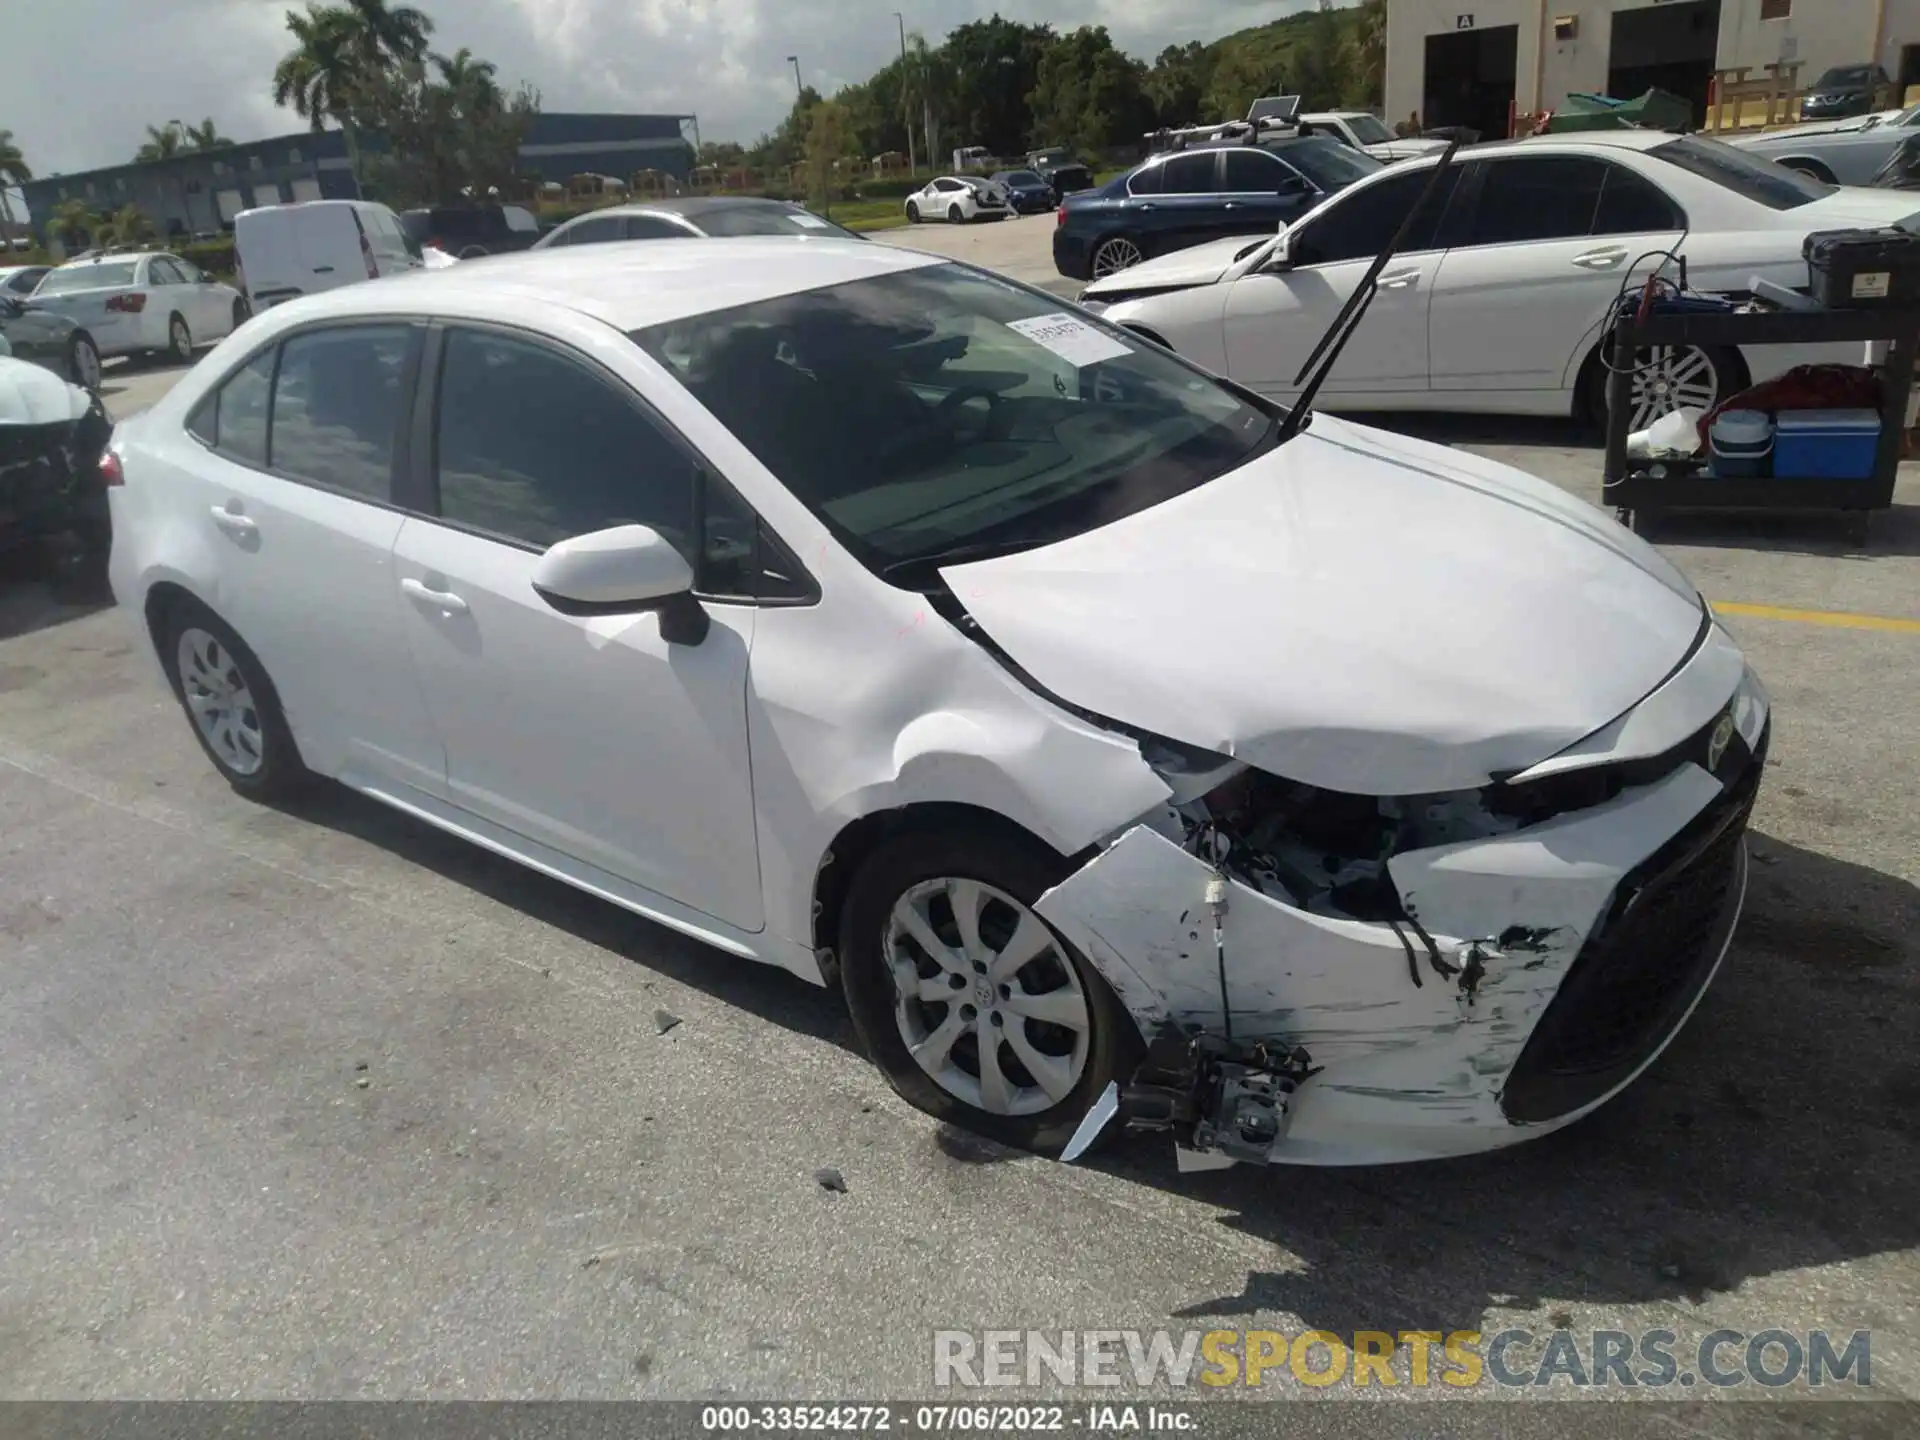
{"x": 163, "y": 142}
{"x": 1239, "y": 78}
{"x": 73, "y": 223}
{"x": 14, "y": 170}
{"x": 385, "y": 34}
{"x": 129, "y": 225}
{"x": 995, "y": 66}
{"x": 780, "y": 151}
{"x": 829, "y": 141}
{"x": 450, "y": 130}
{"x": 204, "y": 136}
{"x": 1176, "y": 86}
{"x": 1318, "y": 76}
{"x": 319, "y": 78}
{"x": 1365, "y": 61}
{"x": 1088, "y": 94}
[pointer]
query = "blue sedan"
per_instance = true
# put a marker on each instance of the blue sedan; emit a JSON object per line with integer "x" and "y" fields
{"x": 1027, "y": 193}
{"x": 1204, "y": 192}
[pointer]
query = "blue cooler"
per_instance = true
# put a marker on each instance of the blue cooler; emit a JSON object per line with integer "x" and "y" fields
{"x": 1826, "y": 444}
{"x": 1742, "y": 442}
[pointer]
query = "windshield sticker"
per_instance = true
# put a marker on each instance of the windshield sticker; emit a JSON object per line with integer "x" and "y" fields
{"x": 811, "y": 222}
{"x": 1074, "y": 341}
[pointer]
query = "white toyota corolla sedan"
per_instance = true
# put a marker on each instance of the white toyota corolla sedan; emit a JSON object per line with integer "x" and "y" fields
{"x": 1112, "y": 740}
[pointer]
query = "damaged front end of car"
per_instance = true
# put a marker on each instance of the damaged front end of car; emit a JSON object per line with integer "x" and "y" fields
{"x": 1331, "y": 978}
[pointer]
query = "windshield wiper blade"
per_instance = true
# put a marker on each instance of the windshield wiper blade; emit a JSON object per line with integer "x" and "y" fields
{"x": 974, "y": 550}
{"x": 1326, "y": 354}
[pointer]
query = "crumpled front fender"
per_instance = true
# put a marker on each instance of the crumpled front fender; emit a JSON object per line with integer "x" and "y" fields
{"x": 1411, "y": 1026}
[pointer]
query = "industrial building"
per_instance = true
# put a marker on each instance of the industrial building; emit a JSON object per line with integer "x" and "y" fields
{"x": 201, "y": 191}
{"x": 1473, "y": 62}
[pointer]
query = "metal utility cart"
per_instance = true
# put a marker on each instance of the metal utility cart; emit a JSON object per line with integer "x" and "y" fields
{"x": 1639, "y": 495}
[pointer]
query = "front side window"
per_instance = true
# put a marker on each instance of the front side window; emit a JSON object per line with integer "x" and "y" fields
{"x": 1190, "y": 174}
{"x": 1359, "y": 224}
{"x": 940, "y": 410}
{"x": 654, "y": 227}
{"x": 1748, "y": 176}
{"x": 337, "y": 403}
{"x": 1253, "y": 172}
{"x": 535, "y": 447}
{"x": 596, "y": 231}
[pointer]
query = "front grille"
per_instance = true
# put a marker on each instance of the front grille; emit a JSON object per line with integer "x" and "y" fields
{"x": 1643, "y": 966}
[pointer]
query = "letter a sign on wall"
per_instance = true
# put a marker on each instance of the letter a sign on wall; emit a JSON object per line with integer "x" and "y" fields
{"x": 1463, "y": 22}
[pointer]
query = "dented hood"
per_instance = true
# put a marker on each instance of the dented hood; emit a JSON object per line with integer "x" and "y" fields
{"x": 1196, "y": 265}
{"x": 1354, "y": 609}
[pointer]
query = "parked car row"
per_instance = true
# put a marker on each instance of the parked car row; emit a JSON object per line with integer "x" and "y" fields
{"x": 1498, "y": 298}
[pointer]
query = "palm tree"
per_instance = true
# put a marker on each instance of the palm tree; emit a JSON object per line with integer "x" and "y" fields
{"x": 317, "y": 79}
{"x": 204, "y": 136}
{"x": 73, "y": 222}
{"x": 13, "y": 171}
{"x": 163, "y": 142}
{"x": 470, "y": 81}
{"x": 129, "y": 225}
{"x": 386, "y": 34}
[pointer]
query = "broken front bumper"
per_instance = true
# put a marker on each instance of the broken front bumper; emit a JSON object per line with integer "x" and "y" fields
{"x": 1538, "y": 972}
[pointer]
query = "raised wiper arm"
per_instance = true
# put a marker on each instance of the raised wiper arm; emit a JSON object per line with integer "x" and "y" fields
{"x": 1326, "y": 354}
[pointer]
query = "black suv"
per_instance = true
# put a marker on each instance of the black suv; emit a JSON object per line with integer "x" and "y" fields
{"x": 1061, "y": 169}
{"x": 1843, "y": 90}
{"x": 469, "y": 231}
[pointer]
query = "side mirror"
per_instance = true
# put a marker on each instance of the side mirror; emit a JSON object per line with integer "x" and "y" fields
{"x": 12, "y": 307}
{"x": 1294, "y": 185}
{"x": 622, "y": 571}
{"x": 1281, "y": 257}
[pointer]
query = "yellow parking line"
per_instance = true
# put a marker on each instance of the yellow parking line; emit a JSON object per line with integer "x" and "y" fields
{"x": 1838, "y": 619}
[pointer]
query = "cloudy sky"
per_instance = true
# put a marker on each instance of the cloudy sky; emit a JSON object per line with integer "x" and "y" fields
{"x": 81, "y": 79}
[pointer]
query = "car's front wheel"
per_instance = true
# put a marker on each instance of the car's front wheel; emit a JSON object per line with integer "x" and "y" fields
{"x": 230, "y": 702}
{"x": 970, "y": 1003}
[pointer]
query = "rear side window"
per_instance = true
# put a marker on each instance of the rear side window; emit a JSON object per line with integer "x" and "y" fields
{"x": 596, "y": 231}
{"x": 653, "y": 227}
{"x": 535, "y": 447}
{"x": 1145, "y": 181}
{"x": 336, "y": 407}
{"x": 1631, "y": 204}
{"x": 234, "y": 418}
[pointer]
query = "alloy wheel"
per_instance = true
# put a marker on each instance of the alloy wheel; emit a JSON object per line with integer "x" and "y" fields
{"x": 179, "y": 339}
{"x": 221, "y": 701}
{"x": 1113, "y": 256}
{"x": 987, "y": 1004}
{"x": 1670, "y": 378}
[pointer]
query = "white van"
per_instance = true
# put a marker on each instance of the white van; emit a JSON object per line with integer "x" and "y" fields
{"x": 284, "y": 251}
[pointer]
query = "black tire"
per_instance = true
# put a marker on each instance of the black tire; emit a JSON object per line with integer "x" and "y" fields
{"x": 1813, "y": 169}
{"x": 472, "y": 252}
{"x": 956, "y": 215}
{"x": 83, "y": 362}
{"x": 281, "y": 773}
{"x": 913, "y": 213}
{"x": 179, "y": 340}
{"x": 1023, "y": 869}
{"x": 242, "y": 312}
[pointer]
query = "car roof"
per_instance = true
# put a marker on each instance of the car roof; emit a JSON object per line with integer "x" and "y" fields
{"x": 630, "y": 286}
{"x": 690, "y": 205}
{"x": 111, "y": 257}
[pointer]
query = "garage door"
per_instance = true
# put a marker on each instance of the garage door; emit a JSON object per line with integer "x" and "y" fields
{"x": 306, "y": 190}
{"x": 231, "y": 203}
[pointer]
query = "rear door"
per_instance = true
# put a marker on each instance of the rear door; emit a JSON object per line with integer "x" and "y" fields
{"x": 169, "y": 293}
{"x": 1187, "y": 207}
{"x": 1542, "y": 248}
{"x": 295, "y": 496}
{"x": 329, "y": 246}
{"x": 1274, "y": 318}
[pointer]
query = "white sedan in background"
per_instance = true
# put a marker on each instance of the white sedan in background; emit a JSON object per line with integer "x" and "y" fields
{"x": 1499, "y": 299}
{"x": 884, "y": 620}
{"x": 143, "y": 303}
{"x": 958, "y": 199}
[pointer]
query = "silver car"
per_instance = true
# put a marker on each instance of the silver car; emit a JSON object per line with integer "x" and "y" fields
{"x": 1840, "y": 152}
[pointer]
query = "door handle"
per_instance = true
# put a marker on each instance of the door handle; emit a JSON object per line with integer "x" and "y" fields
{"x": 233, "y": 522}
{"x": 444, "y": 600}
{"x": 1399, "y": 281}
{"x": 323, "y": 269}
{"x": 1600, "y": 259}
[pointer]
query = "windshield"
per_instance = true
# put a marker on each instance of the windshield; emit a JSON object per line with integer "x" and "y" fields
{"x": 1331, "y": 164}
{"x": 1048, "y": 157}
{"x": 1844, "y": 77}
{"x": 1019, "y": 177}
{"x": 1749, "y": 176}
{"x": 764, "y": 220}
{"x": 87, "y": 277}
{"x": 941, "y": 410}
{"x": 1368, "y": 131}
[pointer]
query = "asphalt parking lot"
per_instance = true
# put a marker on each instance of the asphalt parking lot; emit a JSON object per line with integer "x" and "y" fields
{"x": 322, "y": 1104}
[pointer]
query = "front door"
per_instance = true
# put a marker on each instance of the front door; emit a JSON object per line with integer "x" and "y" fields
{"x": 590, "y": 734}
{"x": 1275, "y": 317}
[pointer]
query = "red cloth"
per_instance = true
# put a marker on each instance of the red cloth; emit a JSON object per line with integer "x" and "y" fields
{"x": 1805, "y": 387}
